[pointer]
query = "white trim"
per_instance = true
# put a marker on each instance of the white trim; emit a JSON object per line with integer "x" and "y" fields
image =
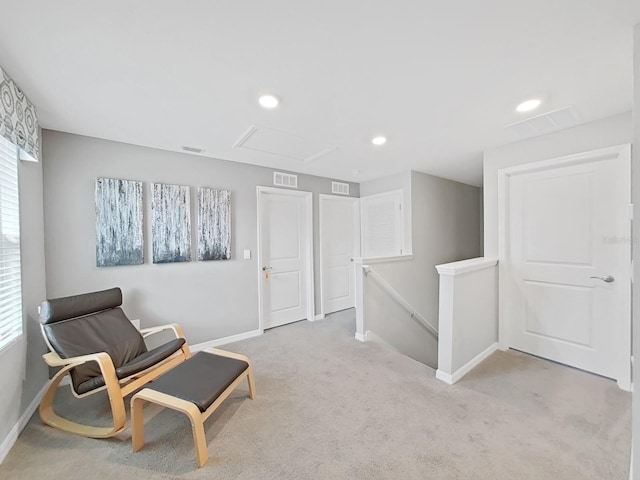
{"x": 225, "y": 340}
{"x": 320, "y": 316}
{"x": 394, "y": 258}
{"x": 375, "y": 338}
{"x": 361, "y": 337}
{"x": 504, "y": 175}
{"x": 356, "y": 239}
{"x": 467, "y": 367}
{"x": 17, "y": 429}
{"x": 466, "y": 266}
{"x": 308, "y": 197}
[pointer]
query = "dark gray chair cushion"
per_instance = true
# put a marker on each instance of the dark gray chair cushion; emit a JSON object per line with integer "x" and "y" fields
{"x": 57, "y": 309}
{"x": 201, "y": 379}
{"x": 138, "y": 364}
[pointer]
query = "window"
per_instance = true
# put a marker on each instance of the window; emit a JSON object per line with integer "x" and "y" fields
{"x": 382, "y": 224}
{"x": 10, "y": 276}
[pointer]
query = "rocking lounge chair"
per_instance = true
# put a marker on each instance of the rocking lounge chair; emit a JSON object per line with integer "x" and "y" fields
{"x": 92, "y": 339}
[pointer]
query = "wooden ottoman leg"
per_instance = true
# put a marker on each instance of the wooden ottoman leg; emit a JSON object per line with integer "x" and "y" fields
{"x": 137, "y": 423}
{"x": 199, "y": 439}
{"x": 189, "y": 409}
{"x": 252, "y": 383}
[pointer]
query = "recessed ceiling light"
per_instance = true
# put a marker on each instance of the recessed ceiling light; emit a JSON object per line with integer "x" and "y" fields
{"x": 379, "y": 140}
{"x": 268, "y": 101}
{"x": 529, "y": 105}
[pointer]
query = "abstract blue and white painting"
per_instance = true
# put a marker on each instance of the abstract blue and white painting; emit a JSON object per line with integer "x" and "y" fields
{"x": 119, "y": 237}
{"x": 171, "y": 223}
{"x": 214, "y": 224}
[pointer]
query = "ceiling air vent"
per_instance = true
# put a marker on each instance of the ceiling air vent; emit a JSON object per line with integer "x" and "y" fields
{"x": 546, "y": 123}
{"x": 285, "y": 180}
{"x": 340, "y": 188}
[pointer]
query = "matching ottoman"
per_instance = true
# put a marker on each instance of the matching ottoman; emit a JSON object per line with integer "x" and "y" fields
{"x": 196, "y": 388}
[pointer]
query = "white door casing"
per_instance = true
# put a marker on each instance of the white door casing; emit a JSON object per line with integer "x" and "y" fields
{"x": 285, "y": 256}
{"x": 562, "y": 222}
{"x": 339, "y": 244}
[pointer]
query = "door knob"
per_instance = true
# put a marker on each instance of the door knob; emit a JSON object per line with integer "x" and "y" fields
{"x": 606, "y": 278}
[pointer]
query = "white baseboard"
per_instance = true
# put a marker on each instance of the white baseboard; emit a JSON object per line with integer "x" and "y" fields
{"x": 445, "y": 377}
{"x": 373, "y": 337}
{"x": 466, "y": 368}
{"x": 223, "y": 341}
{"x": 370, "y": 336}
{"x": 320, "y": 316}
{"x": 11, "y": 438}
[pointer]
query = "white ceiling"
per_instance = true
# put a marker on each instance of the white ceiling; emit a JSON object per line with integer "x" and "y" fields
{"x": 440, "y": 79}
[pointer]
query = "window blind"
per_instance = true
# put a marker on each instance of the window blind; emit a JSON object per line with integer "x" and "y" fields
{"x": 10, "y": 276}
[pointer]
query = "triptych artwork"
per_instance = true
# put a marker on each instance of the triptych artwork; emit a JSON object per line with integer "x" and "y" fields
{"x": 118, "y": 222}
{"x": 214, "y": 224}
{"x": 171, "y": 223}
{"x": 120, "y": 225}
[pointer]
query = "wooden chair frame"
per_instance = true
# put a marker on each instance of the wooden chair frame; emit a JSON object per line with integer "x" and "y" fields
{"x": 117, "y": 389}
{"x": 196, "y": 417}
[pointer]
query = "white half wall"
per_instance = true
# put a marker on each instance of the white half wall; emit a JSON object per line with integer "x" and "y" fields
{"x": 468, "y": 316}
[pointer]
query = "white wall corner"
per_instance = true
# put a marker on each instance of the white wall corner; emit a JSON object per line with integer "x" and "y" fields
{"x": 445, "y": 326}
{"x": 445, "y": 377}
{"x": 466, "y": 368}
{"x": 320, "y": 316}
{"x": 361, "y": 337}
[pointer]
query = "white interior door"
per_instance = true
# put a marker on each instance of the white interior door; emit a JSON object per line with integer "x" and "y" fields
{"x": 339, "y": 242}
{"x": 284, "y": 256}
{"x": 568, "y": 258}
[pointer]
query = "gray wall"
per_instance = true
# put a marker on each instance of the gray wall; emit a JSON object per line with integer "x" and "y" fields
{"x": 635, "y": 192}
{"x": 23, "y": 372}
{"x": 445, "y": 227}
{"x": 209, "y": 299}
{"x": 603, "y": 133}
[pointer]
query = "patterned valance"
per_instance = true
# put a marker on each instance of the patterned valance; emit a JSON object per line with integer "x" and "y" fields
{"x": 18, "y": 121}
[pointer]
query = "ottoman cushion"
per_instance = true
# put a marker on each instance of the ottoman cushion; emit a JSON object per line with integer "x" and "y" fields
{"x": 201, "y": 379}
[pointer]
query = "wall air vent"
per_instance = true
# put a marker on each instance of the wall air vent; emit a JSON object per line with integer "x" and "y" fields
{"x": 340, "y": 188}
{"x": 285, "y": 180}
{"x": 192, "y": 149}
{"x": 546, "y": 123}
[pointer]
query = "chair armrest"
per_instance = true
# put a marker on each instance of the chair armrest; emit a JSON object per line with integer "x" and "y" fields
{"x": 224, "y": 353}
{"x": 54, "y": 360}
{"x": 177, "y": 330}
{"x": 105, "y": 363}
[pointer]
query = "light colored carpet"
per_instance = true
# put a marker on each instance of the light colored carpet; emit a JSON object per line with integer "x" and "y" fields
{"x": 329, "y": 407}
